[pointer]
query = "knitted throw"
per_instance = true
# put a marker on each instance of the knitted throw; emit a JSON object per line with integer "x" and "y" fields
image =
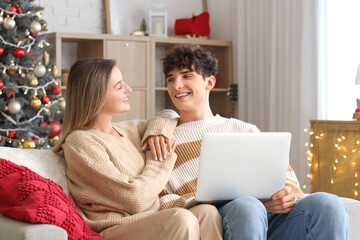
{"x": 26, "y": 196}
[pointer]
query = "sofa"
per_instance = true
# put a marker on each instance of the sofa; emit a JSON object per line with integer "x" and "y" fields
{"x": 52, "y": 166}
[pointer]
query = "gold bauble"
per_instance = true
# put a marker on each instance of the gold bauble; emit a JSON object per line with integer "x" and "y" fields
{"x": 20, "y": 146}
{"x": 29, "y": 76}
{"x": 54, "y": 71}
{"x": 35, "y": 103}
{"x": 53, "y": 141}
{"x": 34, "y": 82}
{"x": 29, "y": 144}
{"x": 43, "y": 24}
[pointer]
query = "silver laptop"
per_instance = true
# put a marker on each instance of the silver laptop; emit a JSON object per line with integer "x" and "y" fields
{"x": 239, "y": 164}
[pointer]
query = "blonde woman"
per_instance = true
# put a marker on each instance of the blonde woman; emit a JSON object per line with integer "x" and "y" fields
{"x": 114, "y": 183}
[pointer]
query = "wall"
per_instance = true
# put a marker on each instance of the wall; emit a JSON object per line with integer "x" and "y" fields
{"x": 74, "y": 16}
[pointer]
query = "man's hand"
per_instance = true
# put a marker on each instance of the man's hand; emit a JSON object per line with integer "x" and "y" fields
{"x": 159, "y": 146}
{"x": 282, "y": 201}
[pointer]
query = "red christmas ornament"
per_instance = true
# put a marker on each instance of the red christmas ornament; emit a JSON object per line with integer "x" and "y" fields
{"x": 1, "y": 84}
{"x": 35, "y": 139}
{"x": 19, "y": 10}
{"x": 1, "y": 50}
{"x": 12, "y": 134}
{"x": 358, "y": 109}
{"x": 19, "y": 52}
{"x": 11, "y": 94}
{"x": 33, "y": 35}
{"x": 45, "y": 99}
{"x": 55, "y": 89}
{"x": 13, "y": 9}
{"x": 42, "y": 124}
{"x": 56, "y": 129}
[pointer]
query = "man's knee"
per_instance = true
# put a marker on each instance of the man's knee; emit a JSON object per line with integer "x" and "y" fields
{"x": 245, "y": 207}
{"x": 326, "y": 204}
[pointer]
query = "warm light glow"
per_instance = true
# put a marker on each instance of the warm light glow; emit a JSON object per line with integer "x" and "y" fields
{"x": 356, "y": 184}
{"x": 311, "y": 145}
{"x": 334, "y": 168}
{"x": 353, "y": 163}
{"x": 306, "y": 144}
{"x": 317, "y": 137}
{"x": 356, "y": 175}
{"x": 339, "y": 148}
{"x": 332, "y": 181}
{"x": 343, "y": 137}
{"x": 309, "y": 164}
{"x": 345, "y": 156}
{"x": 339, "y": 139}
{"x": 305, "y": 130}
{"x": 311, "y": 133}
{"x": 357, "y": 142}
{"x": 321, "y": 135}
{"x": 336, "y": 145}
{"x": 304, "y": 186}
{"x": 336, "y": 161}
{"x": 308, "y": 175}
{"x": 356, "y": 193}
{"x": 353, "y": 150}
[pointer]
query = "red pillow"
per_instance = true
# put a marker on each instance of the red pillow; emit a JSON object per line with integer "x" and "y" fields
{"x": 26, "y": 196}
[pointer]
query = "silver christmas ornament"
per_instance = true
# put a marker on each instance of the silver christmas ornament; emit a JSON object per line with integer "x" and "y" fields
{"x": 14, "y": 107}
{"x": 9, "y": 23}
{"x": 35, "y": 27}
{"x": 30, "y": 76}
{"x": 39, "y": 70}
{"x": 62, "y": 104}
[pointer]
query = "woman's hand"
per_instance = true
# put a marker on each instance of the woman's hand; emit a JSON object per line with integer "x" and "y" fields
{"x": 159, "y": 146}
{"x": 281, "y": 202}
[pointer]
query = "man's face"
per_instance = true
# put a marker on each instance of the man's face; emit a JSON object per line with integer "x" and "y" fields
{"x": 188, "y": 90}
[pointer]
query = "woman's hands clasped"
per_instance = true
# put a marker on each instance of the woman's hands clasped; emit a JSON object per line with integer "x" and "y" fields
{"x": 159, "y": 146}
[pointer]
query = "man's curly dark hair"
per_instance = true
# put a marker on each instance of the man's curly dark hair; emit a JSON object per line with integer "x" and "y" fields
{"x": 192, "y": 57}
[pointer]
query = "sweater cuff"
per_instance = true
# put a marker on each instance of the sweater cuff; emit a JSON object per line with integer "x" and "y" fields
{"x": 164, "y": 123}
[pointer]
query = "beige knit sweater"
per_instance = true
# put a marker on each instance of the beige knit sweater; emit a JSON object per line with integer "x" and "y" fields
{"x": 111, "y": 179}
{"x": 181, "y": 188}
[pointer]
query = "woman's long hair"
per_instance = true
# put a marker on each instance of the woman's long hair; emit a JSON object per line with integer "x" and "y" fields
{"x": 86, "y": 91}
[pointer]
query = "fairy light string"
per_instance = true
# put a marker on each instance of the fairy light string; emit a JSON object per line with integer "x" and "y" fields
{"x": 346, "y": 155}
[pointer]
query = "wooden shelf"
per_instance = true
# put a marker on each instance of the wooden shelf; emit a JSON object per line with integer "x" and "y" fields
{"x": 139, "y": 60}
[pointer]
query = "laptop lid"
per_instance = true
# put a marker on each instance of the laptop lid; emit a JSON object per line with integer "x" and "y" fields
{"x": 242, "y": 164}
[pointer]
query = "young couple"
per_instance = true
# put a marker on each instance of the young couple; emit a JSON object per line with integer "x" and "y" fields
{"x": 126, "y": 192}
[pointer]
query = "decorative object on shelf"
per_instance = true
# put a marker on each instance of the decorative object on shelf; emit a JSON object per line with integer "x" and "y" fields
{"x": 357, "y": 82}
{"x": 158, "y": 20}
{"x": 197, "y": 25}
{"x": 25, "y": 75}
{"x": 142, "y": 30}
{"x": 356, "y": 115}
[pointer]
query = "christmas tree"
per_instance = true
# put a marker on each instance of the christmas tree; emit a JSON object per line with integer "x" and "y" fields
{"x": 31, "y": 105}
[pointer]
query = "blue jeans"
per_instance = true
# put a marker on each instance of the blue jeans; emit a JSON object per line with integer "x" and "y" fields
{"x": 317, "y": 216}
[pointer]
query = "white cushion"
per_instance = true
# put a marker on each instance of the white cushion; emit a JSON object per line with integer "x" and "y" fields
{"x": 44, "y": 162}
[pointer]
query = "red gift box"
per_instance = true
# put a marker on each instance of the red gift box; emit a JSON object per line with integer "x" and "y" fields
{"x": 198, "y": 25}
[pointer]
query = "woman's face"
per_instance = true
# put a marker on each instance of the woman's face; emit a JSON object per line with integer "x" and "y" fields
{"x": 117, "y": 100}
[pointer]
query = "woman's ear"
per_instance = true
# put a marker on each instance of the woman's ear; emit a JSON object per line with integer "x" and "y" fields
{"x": 210, "y": 82}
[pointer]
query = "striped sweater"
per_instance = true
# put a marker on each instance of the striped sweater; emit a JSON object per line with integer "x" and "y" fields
{"x": 181, "y": 187}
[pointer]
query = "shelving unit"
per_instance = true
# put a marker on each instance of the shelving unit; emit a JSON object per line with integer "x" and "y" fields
{"x": 139, "y": 60}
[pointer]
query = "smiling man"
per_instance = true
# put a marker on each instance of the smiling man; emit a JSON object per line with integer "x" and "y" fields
{"x": 189, "y": 72}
